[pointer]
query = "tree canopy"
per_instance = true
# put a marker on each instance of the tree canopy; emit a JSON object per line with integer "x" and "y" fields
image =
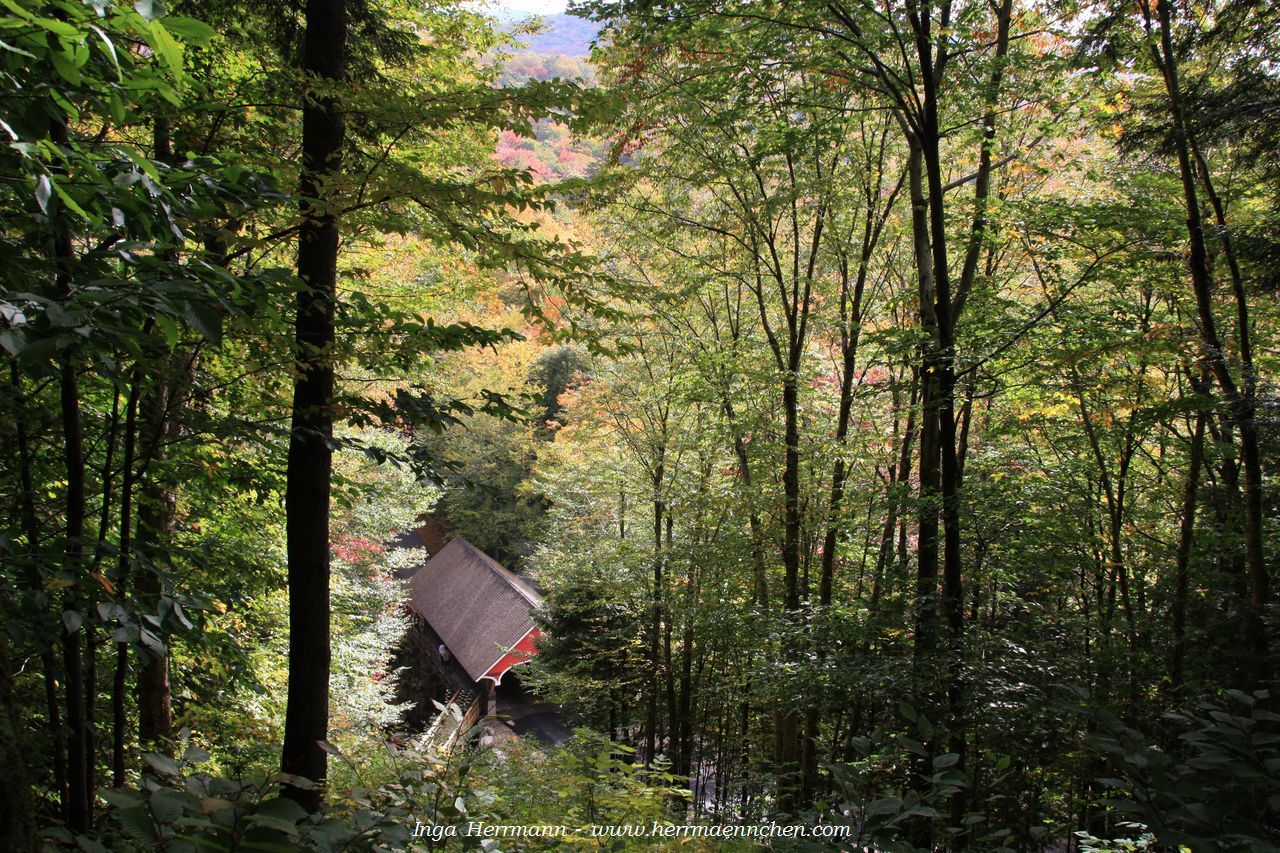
{"x": 882, "y": 396}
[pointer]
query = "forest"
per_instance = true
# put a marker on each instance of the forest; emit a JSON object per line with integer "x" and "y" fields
{"x": 882, "y": 396}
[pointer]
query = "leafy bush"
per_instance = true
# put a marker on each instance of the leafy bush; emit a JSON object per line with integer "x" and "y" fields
{"x": 1216, "y": 786}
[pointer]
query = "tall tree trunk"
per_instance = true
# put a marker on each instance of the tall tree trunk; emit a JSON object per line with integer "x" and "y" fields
{"x": 310, "y": 455}
{"x": 162, "y": 411}
{"x": 17, "y": 814}
{"x": 850, "y": 334}
{"x": 155, "y": 532}
{"x": 785, "y": 721}
{"x": 1186, "y": 538}
{"x": 1240, "y": 402}
{"x": 755, "y": 525}
{"x": 78, "y": 757}
{"x": 31, "y": 530}
{"x": 79, "y": 760}
{"x": 926, "y": 615}
{"x": 899, "y": 484}
{"x": 668, "y": 666}
{"x": 119, "y": 717}
{"x": 155, "y": 508}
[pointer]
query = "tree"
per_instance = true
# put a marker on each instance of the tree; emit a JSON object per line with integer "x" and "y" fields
{"x": 310, "y": 454}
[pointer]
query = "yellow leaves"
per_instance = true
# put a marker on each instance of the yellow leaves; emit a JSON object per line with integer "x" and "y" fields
{"x": 211, "y": 805}
{"x": 1058, "y": 404}
{"x": 56, "y": 583}
{"x": 104, "y": 582}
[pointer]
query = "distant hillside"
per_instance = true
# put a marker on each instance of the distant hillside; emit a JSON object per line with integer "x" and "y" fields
{"x": 552, "y": 153}
{"x": 541, "y": 66}
{"x": 564, "y": 34}
{"x": 559, "y": 51}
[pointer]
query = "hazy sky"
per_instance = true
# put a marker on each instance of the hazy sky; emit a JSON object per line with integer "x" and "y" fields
{"x": 528, "y": 7}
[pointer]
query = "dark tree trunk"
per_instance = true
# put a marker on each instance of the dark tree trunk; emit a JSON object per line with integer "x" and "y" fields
{"x": 155, "y": 705}
{"x": 755, "y": 525}
{"x": 119, "y": 717}
{"x": 79, "y": 759}
{"x": 162, "y": 411}
{"x": 310, "y": 453}
{"x": 31, "y": 529}
{"x": 1239, "y": 399}
{"x": 786, "y": 724}
{"x": 1186, "y": 539}
{"x": 17, "y": 815}
{"x": 926, "y": 615}
{"x": 655, "y": 616}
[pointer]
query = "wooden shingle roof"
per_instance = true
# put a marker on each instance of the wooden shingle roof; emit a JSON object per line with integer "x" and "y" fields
{"x": 476, "y": 606}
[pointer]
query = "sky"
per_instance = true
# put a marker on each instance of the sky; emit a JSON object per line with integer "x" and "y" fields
{"x": 521, "y": 8}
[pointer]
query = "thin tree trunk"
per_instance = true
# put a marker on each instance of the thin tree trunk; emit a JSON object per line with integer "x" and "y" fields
{"x": 79, "y": 812}
{"x": 310, "y": 455}
{"x": 655, "y": 617}
{"x": 17, "y": 812}
{"x": 78, "y": 757}
{"x": 31, "y": 529}
{"x": 155, "y": 705}
{"x": 1241, "y": 403}
{"x": 162, "y": 419}
{"x": 119, "y": 717}
{"x": 1186, "y": 539}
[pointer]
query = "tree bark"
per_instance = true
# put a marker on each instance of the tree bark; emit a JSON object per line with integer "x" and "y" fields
{"x": 162, "y": 411}
{"x": 119, "y": 717}
{"x": 1241, "y": 403}
{"x": 79, "y": 760}
{"x": 17, "y": 812}
{"x": 31, "y": 530}
{"x": 310, "y": 453}
{"x": 1186, "y": 539}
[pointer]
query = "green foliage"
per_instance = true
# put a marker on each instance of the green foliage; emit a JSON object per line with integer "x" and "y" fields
{"x": 1213, "y": 785}
{"x": 411, "y": 799}
{"x": 181, "y": 808}
{"x": 884, "y": 817}
{"x": 586, "y": 781}
{"x": 677, "y": 394}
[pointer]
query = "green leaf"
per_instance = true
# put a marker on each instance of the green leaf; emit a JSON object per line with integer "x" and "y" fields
{"x": 205, "y": 319}
{"x": 162, "y": 763}
{"x": 71, "y": 203}
{"x": 66, "y": 67}
{"x": 89, "y": 845}
{"x": 192, "y": 31}
{"x": 269, "y": 822}
{"x": 138, "y": 825}
{"x": 6, "y": 46}
{"x": 169, "y": 328}
{"x": 110, "y": 49}
{"x": 122, "y": 798}
{"x": 887, "y": 805}
{"x": 169, "y": 51}
{"x": 151, "y": 642}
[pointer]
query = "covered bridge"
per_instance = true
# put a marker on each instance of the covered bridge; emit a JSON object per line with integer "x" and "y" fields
{"x": 481, "y": 612}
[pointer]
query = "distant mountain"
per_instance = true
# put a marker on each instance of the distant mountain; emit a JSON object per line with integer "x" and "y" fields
{"x": 559, "y": 51}
{"x": 564, "y": 35}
